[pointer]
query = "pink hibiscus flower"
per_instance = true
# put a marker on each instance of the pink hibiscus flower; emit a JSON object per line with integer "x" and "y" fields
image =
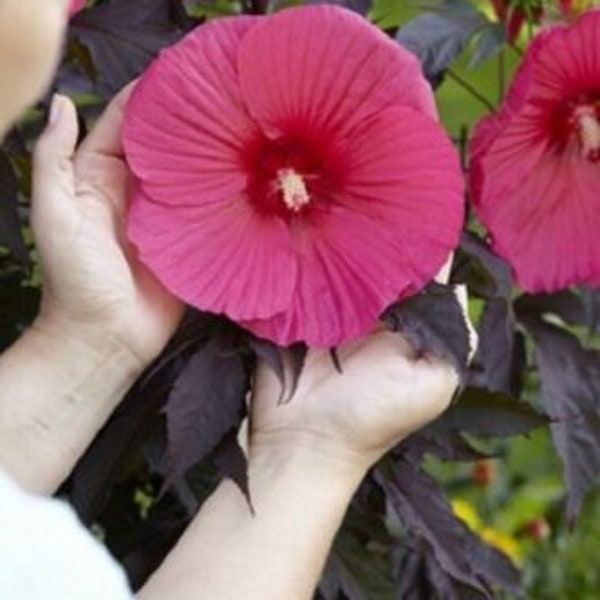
{"x": 535, "y": 171}
{"x": 76, "y": 6}
{"x": 291, "y": 174}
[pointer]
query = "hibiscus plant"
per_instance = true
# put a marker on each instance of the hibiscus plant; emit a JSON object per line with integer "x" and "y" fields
{"x": 301, "y": 171}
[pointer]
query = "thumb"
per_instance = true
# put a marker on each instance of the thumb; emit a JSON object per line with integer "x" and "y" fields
{"x": 53, "y": 177}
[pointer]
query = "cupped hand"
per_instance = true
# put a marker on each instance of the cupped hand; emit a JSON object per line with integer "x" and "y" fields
{"x": 93, "y": 284}
{"x": 384, "y": 392}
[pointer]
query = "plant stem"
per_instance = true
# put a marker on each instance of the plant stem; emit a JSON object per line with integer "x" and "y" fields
{"x": 472, "y": 90}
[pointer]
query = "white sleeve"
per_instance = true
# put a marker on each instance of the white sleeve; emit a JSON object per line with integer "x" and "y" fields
{"x": 46, "y": 554}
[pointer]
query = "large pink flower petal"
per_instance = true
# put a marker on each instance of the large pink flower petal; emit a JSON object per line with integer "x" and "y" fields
{"x": 224, "y": 257}
{"x": 327, "y": 69}
{"x": 186, "y": 125}
{"x": 385, "y": 236}
{"x": 403, "y": 170}
{"x": 547, "y": 226}
{"x": 339, "y": 296}
{"x": 504, "y": 151}
{"x": 567, "y": 59}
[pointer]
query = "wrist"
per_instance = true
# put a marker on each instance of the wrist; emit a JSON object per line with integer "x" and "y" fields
{"x": 308, "y": 456}
{"x": 94, "y": 342}
{"x": 59, "y": 386}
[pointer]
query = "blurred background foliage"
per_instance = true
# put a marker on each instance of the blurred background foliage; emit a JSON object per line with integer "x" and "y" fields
{"x": 517, "y": 501}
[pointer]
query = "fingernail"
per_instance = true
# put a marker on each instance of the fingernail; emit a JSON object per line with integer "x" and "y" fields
{"x": 55, "y": 110}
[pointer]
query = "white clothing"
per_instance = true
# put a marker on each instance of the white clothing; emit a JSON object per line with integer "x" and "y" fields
{"x": 46, "y": 554}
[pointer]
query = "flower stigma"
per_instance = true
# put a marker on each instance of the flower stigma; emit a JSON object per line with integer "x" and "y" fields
{"x": 293, "y": 189}
{"x": 589, "y": 131}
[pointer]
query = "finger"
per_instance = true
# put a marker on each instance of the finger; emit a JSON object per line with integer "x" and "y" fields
{"x": 105, "y": 139}
{"x": 53, "y": 178}
{"x": 53, "y": 155}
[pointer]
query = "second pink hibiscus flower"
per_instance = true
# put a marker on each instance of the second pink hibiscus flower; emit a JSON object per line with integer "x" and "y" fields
{"x": 291, "y": 174}
{"x": 535, "y": 173}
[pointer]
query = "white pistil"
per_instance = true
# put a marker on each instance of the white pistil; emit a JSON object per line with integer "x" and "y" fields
{"x": 293, "y": 189}
{"x": 589, "y": 132}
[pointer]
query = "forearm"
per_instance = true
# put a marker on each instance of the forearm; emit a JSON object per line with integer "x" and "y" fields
{"x": 57, "y": 389}
{"x": 299, "y": 498}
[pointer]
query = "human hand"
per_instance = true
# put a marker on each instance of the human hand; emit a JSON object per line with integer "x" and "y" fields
{"x": 385, "y": 392}
{"x": 31, "y": 36}
{"x": 94, "y": 287}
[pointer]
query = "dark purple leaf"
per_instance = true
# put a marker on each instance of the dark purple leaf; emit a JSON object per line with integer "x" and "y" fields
{"x": 329, "y": 585}
{"x": 335, "y": 359}
{"x": 439, "y": 38}
{"x": 184, "y": 493}
{"x": 570, "y": 377}
{"x": 418, "y": 575}
{"x": 591, "y": 303}
{"x": 477, "y": 412}
{"x": 207, "y": 401}
{"x": 423, "y": 508}
{"x": 362, "y": 7}
{"x": 485, "y": 413}
{"x": 272, "y": 356}
{"x": 277, "y": 358}
{"x": 123, "y": 36}
{"x": 296, "y": 356}
{"x": 231, "y": 463}
{"x": 181, "y": 17}
{"x": 565, "y": 304}
{"x": 362, "y": 574}
{"x": 500, "y": 361}
{"x": 195, "y": 329}
{"x": 99, "y": 469}
{"x": 445, "y": 444}
{"x": 409, "y": 565}
{"x": 445, "y": 587}
{"x": 486, "y": 274}
{"x": 433, "y": 321}
{"x": 11, "y": 236}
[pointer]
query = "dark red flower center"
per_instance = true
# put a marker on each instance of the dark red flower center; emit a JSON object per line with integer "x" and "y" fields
{"x": 290, "y": 175}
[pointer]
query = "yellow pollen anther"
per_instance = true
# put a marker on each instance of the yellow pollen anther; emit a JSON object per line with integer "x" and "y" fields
{"x": 589, "y": 132}
{"x": 293, "y": 189}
